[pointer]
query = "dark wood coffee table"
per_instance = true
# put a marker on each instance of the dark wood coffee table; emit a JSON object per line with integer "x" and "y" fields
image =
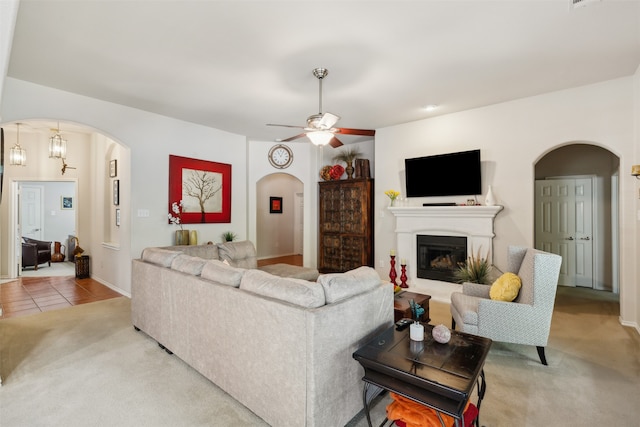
{"x": 402, "y": 309}
{"x": 440, "y": 376}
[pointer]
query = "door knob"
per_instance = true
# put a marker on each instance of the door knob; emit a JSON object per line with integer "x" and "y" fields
{"x": 569, "y": 238}
{"x": 585, "y": 238}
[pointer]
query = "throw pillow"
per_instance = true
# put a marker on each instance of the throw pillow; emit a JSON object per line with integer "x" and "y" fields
{"x": 505, "y": 288}
{"x": 339, "y": 286}
{"x": 295, "y": 291}
{"x": 220, "y": 272}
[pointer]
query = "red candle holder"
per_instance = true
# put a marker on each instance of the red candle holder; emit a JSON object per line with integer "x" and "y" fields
{"x": 403, "y": 276}
{"x": 392, "y": 272}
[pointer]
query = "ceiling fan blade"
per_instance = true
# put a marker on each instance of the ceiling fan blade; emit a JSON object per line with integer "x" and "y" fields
{"x": 328, "y": 120}
{"x": 364, "y": 132}
{"x": 286, "y": 126}
{"x": 302, "y": 135}
{"x": 335, "y": 142}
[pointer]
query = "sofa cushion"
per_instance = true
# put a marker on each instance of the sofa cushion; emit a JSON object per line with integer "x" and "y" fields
{"x": 188, "y": 264}
{"x": 220, "y": 272}
{"x": 505, "y": 288}
{"x": 338, "y": 286}
{"x": 238, "y": 254}
{"x": 293, "y": 271}
{"x": 159, "y": 256}
{"x": 295, "y": 291}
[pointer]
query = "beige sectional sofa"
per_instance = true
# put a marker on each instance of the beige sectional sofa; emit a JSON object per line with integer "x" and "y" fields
{"x": 280, "y": 346}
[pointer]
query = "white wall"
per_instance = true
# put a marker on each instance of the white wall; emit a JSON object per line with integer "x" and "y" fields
{"x": 513, "y": 136}
{"x": 151, "y": 138}
{"x": 305, "y": 167}
{"x": 276, "y": 230}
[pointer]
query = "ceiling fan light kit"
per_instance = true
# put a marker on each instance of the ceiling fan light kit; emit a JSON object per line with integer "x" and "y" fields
{"x": 320, "y": 128}
{"x": 320, "y": 137}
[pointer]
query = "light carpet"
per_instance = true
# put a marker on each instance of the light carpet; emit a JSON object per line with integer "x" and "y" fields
{"x": 86, "y": 365}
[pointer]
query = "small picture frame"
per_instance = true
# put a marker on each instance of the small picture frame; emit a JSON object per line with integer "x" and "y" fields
{"x": 113, "y": 168}
{"x": 66, "y": 202}
{"x": 116, "y": 192}
{"x": 117, "y": 217}
{"x": 275, "y": 205}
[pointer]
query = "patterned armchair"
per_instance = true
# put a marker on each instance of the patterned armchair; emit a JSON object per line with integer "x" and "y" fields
{"x": 527, "y": 319}
{"x": 35, "y": 252}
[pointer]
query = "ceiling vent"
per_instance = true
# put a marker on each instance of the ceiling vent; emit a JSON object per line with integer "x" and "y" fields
{"x": 575, "y": 4}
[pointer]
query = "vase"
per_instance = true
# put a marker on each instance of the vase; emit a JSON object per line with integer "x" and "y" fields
{"x": 182, "y": 237}
{"x": 349, "y": 170}
{"x": 392, "y": 202}
{"x": 193, "y": 238}
{"x": 490, "y": 200}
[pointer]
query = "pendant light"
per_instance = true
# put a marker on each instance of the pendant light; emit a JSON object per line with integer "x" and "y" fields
{"x": 57, "y": 145}
{"x": 17, "y": 154}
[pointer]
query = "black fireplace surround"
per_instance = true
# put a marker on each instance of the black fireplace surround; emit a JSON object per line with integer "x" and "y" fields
{"x": 440, "y": 256}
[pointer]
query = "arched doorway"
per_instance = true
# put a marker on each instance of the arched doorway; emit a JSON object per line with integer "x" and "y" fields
{"x": 576, "y": 211}
{"x": 279, "y": 232}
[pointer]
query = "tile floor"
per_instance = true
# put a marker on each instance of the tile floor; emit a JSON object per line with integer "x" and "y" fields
{"x": 30, "y": 295}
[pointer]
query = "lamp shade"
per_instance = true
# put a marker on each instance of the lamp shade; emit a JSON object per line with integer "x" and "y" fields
{"x": 320, "y": 137}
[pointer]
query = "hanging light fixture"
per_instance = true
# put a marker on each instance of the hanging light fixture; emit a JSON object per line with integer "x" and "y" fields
{"x": 57, "y": 145}
{"x": 320, "y": 137}
{"x": 17, "y": 154}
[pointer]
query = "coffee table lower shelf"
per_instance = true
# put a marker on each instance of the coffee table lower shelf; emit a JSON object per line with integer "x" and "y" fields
{"x": 375, "y": 383}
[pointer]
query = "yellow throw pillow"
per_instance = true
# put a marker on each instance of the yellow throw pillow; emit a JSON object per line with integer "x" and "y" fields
{"x": 506, "y": 288}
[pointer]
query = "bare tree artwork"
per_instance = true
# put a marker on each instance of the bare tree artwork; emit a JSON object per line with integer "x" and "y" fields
{"x": 201, "y": 191}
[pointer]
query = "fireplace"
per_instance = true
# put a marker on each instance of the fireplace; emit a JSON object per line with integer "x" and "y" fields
{"x": 440, "y": 256}
{"x": 474, "y": 223}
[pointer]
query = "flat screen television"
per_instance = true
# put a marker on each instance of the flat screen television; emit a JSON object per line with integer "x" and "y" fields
{"x": 452, "y": 174}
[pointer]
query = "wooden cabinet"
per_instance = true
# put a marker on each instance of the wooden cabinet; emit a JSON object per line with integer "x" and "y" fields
{"x": 346, "y": 225}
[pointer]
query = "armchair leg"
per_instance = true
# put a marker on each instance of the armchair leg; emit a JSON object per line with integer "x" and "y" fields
{"x": 543, "y": 359}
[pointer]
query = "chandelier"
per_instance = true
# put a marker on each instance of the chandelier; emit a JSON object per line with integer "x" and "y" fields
{"x": 17, "y": 154}
{"x": 57, "y": 145}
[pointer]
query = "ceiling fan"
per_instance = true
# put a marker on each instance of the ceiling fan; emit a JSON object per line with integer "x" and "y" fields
{"x": 319, "y": 127}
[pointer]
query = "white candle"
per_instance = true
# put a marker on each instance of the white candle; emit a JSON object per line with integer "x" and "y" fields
{"x": 416, "y": 332}
{"x": 403, "y": 261}
{"x": 392, "y": 252}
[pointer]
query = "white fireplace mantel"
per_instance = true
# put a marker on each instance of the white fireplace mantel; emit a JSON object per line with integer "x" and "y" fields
{"x": 473, "y": 222}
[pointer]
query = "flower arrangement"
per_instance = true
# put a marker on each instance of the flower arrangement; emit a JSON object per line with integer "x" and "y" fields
{"x": 176, "y": 208}
{"x": 392, "y": 195}
{"x": 336, "y": 172}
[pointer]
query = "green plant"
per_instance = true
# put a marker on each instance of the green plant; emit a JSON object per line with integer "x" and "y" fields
{"x": 229, "y": 236}
{"x": 475, "y": 269}
{"x": 348, "y": 155}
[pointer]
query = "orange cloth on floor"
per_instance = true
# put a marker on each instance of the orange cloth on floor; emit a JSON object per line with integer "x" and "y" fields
{"x": 413, "y": 414}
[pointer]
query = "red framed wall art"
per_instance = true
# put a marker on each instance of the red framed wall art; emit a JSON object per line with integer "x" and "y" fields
{"x": 204, "y": 188}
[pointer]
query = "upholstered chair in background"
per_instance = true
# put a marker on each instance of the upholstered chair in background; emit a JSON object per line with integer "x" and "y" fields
{"x": 526, "y": 319}
{"x": 35, "y": 252}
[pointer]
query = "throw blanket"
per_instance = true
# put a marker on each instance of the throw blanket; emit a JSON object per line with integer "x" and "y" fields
{"x": 408, "y": 413}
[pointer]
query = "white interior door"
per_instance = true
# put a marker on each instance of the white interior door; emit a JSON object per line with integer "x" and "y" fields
{"x": 31, "y": 211}
{"x": 564, "y": 226}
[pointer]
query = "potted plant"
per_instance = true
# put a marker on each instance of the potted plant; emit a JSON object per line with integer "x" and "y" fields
{"x": 175, "y": 217}
{"x": 475, "y": 269}
{"x": 348, "y": 155}
{"x": 229, "y": 236}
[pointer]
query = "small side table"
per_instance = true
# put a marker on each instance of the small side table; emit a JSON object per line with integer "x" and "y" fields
{"x": 402, "y": 308}
{"x": 82, "y": 267}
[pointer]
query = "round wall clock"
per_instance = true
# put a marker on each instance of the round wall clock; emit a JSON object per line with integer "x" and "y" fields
{"x": 280, "y": 156}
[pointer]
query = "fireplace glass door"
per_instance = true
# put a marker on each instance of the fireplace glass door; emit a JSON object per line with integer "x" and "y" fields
{"x": 440, "y": 256}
